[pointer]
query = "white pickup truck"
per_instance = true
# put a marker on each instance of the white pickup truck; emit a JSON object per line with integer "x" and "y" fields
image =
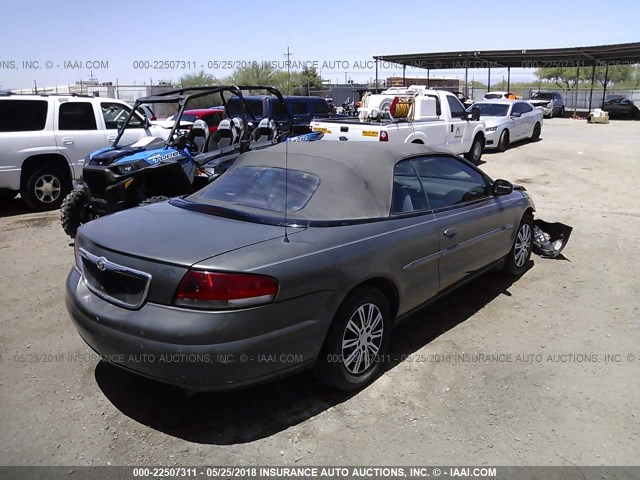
{"x": 415, "y": 114}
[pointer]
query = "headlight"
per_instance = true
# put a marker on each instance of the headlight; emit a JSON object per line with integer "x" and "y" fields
{"x": 125, "y": 169}
{"x": 491, "y": 129}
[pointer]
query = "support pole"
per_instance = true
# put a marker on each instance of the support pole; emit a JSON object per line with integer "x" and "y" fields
{"x": 508, "y": 79}
{"x": 489, "y": 80}
{"x": 575, "y": 93}
{"x": 593, "y": 75}
{"x": 466, "y": 82}
{"x": 404, "y": 69}
{"x": 376, "y": 75}
{"x": 428, "y": 78}
{"x": 606, "y": 79}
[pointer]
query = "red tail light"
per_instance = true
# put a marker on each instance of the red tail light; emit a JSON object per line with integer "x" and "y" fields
{"x": 154, "y": 118}
{"x": 384, "y": 136}
{"x": 213, "y": 290}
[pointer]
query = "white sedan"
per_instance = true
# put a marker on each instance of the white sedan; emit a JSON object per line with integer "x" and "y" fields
{"x": 508, "y": 121}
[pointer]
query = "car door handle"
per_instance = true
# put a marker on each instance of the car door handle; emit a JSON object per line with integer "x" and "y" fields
{"x": 111, "y": 138}
{"x": 67, "y": 141}
{"x": 450, "y": 232}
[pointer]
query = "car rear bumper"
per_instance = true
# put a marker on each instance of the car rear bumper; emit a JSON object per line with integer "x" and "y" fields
{"x": 160, "y": 342}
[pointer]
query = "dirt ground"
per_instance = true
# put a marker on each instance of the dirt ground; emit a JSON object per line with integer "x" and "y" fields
{"x": 564, "y": 390}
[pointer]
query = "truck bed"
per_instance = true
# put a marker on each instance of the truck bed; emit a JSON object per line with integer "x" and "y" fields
{"x": 357, "y": 121}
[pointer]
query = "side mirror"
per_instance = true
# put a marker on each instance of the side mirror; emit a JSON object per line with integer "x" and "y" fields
{"x": 475, "y": 114}
{"x": 516, "y": 115}
{"x": 502, "y": 187}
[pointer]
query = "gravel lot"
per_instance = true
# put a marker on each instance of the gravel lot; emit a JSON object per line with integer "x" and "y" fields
{"x": 556, "y": 402}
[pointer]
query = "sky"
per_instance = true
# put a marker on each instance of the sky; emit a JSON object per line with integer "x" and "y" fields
{"x": 129, "y": 41}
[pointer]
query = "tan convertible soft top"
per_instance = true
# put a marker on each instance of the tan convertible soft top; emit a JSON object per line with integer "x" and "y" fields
{"x": 356, "y": 178}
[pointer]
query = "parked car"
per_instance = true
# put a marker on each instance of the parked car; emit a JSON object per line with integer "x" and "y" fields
{"x": 211, "y": 116}
{"x": 507, "y": 121}
{"x": 496, "y": 95}
{"x": 45, "y": 139}
{"x": 302, "y": 110}
{"x": 620, "y": 106}
{"x": 310, "y": 273}
{"x": 551, "y": 103}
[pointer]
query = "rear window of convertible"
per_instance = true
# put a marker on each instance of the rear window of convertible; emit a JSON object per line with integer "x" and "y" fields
{"x": 263, "y": 188}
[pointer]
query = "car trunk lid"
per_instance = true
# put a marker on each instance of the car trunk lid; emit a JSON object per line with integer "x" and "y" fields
{"x": 168, "y": 234}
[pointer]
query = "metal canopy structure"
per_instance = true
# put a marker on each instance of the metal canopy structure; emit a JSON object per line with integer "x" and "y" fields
{"x": 573, "y": 57}
{"x": 602, "y": 55}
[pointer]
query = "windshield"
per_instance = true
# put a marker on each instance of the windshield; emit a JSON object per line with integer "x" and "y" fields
{"x": 263, "y": 188}
{"x": 492, "y": 109}
{"x": 542, "y": 96}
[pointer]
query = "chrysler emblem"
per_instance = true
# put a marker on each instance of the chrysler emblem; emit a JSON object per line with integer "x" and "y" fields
{"x": 102, "y": 266}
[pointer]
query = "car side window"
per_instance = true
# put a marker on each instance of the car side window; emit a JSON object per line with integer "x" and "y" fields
{"x": 320, "y": 107}
{"x": 408, "y": 195}
{"x": 521, "y": 108}
{"x": 76, "y": 116}
{"x": 278, "y": 110}
{"x": 23, "y": 115}
{"x": 448, "y": 181}
{"x": 525, "y": 107}
{"x": 115, "y": 115}
{"x": 256, "y": 107}
{"x": 457, "y": 109}
{"x": 300, "y": 107}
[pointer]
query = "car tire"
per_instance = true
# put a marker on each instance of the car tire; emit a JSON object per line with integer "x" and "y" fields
{"x": 348, "y": 361}
{"x": 535, "y": 136}
{"x": 75, "y": 211}
{"x": 551, "y": 113}
{"x": 475, "y": 153}
{"x": 45, "y": 189}
{"x": 503, "y": 143}
{"x": 562, "y": 112}
{"x": 517, "y": 260}
{"x": 150, "y": 200}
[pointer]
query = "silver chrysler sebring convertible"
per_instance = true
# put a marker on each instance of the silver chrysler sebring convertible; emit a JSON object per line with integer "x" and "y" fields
{"x": 301, "y": 256}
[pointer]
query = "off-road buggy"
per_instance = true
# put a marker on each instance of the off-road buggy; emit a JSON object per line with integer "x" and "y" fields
{"x": 155, "y": 169}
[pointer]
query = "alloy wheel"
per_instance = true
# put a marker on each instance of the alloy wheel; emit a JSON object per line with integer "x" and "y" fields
{"x": 362, "y": 338}
{"x": 522, "y": 245}
{"x": 47, "y": 188}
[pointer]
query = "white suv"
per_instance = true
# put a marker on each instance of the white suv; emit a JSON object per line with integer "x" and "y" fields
{"x": 45, "y": 139}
